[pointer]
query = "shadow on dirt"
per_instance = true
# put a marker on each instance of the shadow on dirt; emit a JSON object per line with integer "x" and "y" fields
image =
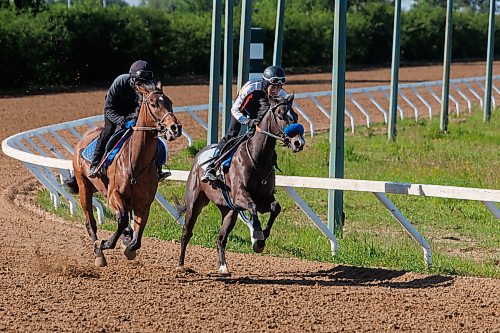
{"x": 347, "y": 276}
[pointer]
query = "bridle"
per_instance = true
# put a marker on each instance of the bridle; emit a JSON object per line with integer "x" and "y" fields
{"x": 281, "y": 132}
{"x": 159, "y": 126}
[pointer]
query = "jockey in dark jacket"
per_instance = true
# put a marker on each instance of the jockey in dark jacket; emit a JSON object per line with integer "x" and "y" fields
{"x": 250, "y": 105}
{"x": 121, "y": 107}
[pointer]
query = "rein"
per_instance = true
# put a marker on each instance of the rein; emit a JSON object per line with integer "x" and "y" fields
{"x": 264, "y": 180}
{"x": 160, "y": 128}
{"x": 281, "y": 136}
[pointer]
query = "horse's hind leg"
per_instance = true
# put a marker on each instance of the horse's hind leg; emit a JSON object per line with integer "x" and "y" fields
{"x": 228, "y": 221}
{"x": 86, "y": 193}
{"x": 195, "y": 201}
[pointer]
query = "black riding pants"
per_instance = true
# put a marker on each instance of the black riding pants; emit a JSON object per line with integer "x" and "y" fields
{"x": 100, "y": 149}
{"x": 232, "y": 132}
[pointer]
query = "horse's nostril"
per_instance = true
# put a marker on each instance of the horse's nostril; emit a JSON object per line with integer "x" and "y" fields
{"x": 173, "y": 127}
{"x": 296, "y": 143}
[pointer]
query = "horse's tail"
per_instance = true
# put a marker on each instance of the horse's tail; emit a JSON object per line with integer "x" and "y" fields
{"x": 71, "y": 185}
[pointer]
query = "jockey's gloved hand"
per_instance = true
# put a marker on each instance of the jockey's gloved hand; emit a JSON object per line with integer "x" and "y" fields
{"x": 252, "y": 123}
{"x": 129, "y": 123}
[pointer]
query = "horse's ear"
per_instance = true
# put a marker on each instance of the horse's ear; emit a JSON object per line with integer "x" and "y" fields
{"x": 158, "y": 85}
{"x": 290, "y": 98}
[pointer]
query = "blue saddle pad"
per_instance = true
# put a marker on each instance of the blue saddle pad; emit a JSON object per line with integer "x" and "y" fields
{"x": 88, "y": 152}
{"x": 120, "y": 136}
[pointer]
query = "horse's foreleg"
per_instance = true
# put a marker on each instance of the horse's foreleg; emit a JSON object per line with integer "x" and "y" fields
{"x": 275, "y": 211}
{"x": 127, "y": 234}
{"x": 122, "y": 217}
{"x": 228, "y": 221}
{"x": 140, "y": 220}
{"x": 258, "y": 239}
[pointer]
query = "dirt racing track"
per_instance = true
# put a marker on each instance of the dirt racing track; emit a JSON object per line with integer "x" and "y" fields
{"x": 48, "y": 281}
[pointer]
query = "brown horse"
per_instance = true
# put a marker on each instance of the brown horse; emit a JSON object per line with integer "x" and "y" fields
{"x": 249, "y": 184}
{"x": 130, "y": 183}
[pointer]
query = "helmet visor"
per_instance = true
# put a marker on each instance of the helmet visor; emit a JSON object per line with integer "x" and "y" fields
{"x": 275, "y": 81}
{"x": 144, "y": 75}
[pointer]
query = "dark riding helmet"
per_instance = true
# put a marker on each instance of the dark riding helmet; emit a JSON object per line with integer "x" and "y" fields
{"x": 274, "y": 76}
{"x": 141, "y": 70}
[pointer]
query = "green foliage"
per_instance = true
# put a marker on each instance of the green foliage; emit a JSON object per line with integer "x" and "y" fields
{"x": 89, "y": 44}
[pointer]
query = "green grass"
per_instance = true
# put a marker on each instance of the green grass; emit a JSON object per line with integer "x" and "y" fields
{"x": 464, "y": 235}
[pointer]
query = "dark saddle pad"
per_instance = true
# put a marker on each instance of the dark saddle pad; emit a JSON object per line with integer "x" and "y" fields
{"x": 228, "y": 151}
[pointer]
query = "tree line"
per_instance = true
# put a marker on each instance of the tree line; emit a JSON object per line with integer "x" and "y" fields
{"x": 89, "y": 44}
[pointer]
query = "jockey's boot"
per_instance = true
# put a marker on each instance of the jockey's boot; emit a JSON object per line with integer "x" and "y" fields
{"x": 209, "y": 174}
{"x": 162, "y": 175}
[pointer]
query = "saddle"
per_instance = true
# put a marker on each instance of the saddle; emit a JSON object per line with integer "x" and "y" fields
{"x": 222, "y": 159}
{"x": 114, "y": 145}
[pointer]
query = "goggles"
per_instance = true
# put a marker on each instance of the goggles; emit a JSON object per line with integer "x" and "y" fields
{"x": 275, "y": 81}
{"x": 145, "y": 75}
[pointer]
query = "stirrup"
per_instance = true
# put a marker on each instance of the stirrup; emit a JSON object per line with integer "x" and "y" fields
{"x": 209, "y": 176}
{"x": 93, "y": 172}
{"x": 163, "y": 175}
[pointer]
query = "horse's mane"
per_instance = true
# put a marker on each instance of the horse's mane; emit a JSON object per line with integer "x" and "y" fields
{"x": 278, "y": 100}
{"x": 150, "y": 86}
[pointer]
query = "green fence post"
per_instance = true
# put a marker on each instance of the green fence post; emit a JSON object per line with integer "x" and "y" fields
{"x": 336, "y": 162}
{"x": 443, "y": 124}
{"x": 278, "y": 36}
{"x": 213, "y": 103}
{"x": 393, "y": 116}
{"x": 489, "y": 63}
{"x": 243, "y": 62}
{"x": 228, "y": 67}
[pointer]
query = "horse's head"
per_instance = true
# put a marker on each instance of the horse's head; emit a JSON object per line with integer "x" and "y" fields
{"x": 284, "y": 120}
{"x": 157, "y": 111}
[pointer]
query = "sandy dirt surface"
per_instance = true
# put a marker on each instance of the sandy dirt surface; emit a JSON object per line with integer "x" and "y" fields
{"x": 48, "y": 281}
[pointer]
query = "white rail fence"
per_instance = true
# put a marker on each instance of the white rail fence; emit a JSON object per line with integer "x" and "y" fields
{"x": 46, "y": 153}
{"x": 362, "y": 104}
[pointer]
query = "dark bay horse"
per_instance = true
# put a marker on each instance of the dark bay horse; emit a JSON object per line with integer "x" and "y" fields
{"x": 130, "y": 183}
{"x": 250, "y": 181}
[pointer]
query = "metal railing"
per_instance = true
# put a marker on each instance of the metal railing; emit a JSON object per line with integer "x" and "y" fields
{"x": 376, "y": 97}
{"x": 40, "y": 151}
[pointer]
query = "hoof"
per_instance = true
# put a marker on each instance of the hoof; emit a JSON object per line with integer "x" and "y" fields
{"x": 100, "y": 262}
{"x": 259, "y": 246}
{"x": 258, "y": 235}
{"x": 180, "y": 269}
{"x": 224, "y": 271}
{"x": 130, "y": 254}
